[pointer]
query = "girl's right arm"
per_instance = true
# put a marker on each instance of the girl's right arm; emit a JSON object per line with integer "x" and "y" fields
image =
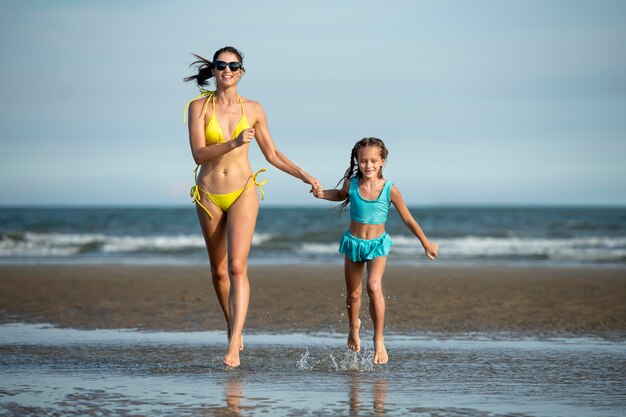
{"x": 199, "y": 150}
{"x": 337, "y": 194}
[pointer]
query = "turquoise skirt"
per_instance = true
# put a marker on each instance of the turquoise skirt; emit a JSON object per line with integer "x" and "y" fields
{"x": 360, "y": 250}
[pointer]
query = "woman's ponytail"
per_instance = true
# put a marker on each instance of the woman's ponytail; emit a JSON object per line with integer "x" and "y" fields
{"x": 205, "y": 71}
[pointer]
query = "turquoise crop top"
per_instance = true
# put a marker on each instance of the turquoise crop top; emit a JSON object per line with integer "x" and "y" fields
{"x": 369, "y": 211}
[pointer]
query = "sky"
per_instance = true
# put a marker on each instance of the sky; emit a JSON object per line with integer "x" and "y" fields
{"x": 479, "y": 102}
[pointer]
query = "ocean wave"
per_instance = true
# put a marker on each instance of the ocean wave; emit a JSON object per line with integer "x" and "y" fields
{"x": 34, "y": 245}
{"x": 592, "y": 249}
{"x": 558, "y": 249}
{"x": 317, "y": 248}
{"x": 80, "y": 245}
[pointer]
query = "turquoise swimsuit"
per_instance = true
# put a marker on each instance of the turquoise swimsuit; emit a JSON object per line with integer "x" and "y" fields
{"x": 367, "y": 212}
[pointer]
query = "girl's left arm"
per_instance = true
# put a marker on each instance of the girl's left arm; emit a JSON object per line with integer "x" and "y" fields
{"x": 272, "y": 154}
{"x": 398, "y": 202}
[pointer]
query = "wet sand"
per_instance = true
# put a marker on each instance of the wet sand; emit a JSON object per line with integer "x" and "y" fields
{"x": 525, "y": 301}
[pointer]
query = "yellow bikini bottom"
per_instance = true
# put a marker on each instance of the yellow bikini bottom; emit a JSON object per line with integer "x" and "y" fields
{"x": 224, "y": 201}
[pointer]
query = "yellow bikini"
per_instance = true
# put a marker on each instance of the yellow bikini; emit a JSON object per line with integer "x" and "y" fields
{"x": 214, "y": 134}
{"x": 224, "y": 201}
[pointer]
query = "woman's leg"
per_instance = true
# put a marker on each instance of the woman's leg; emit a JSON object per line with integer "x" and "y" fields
{"x": 240, "y": 224}
{"x": 214, "y": 232}
{"x": 353, "y": 272}
{"x": 375, "y": 271}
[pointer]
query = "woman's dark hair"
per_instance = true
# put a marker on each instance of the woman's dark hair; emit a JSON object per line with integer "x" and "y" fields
{"x": 205, "y": 66}
{"x": 353, "y": 170}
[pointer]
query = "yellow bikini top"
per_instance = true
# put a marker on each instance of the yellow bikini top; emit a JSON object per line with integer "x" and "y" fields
{"x": 213, "y": 131}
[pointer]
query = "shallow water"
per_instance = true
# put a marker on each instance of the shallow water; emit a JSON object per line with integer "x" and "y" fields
{"x": 50, "y": 371}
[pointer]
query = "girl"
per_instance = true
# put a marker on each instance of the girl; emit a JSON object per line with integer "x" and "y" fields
{"x": 366, "y": 243}
{"x": 221, "y": 126}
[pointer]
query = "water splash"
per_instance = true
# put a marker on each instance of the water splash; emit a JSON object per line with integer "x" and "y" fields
{"x": 326, "y": 359}
{"x": 303, "y": 362}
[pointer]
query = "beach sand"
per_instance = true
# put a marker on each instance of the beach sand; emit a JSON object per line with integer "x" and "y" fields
{"x": 526, "y": 301}
{"x": 309, "y": 298}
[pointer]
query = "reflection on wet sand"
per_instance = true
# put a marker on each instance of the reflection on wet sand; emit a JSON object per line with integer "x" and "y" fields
{"x": 359, "y": 386}
{"x": 380, "y": 396}
{"x": 233, "y": 393}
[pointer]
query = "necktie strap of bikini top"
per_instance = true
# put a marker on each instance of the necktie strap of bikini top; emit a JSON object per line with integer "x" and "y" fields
{"x": 203, "y": 93}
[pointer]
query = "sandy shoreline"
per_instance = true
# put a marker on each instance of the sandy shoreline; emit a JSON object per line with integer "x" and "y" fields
{"x": 528, "y": 301}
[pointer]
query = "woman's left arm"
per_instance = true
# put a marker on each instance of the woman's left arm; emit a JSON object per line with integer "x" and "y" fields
{"x": 398, "y": 202}
{"x": 271, "y": 153}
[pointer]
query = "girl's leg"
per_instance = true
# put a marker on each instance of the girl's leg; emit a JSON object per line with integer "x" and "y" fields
{"x": 240, "y": 226}
{"x": 375, "y": 271}
{"x": 353, "y": 272}
{"x": 214, "y": 232}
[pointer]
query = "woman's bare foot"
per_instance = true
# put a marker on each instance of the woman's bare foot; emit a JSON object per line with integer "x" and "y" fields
{"x": 354, "y": 341}
{"x": 380, "y": 353}
{"x": 228, "y": 332}
{"x": 232, "y": 356}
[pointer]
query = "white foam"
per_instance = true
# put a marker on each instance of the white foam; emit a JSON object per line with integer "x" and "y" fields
{"x": 152, "y": 243}
{"x": 33, "y": 245}
{"x": 318, "y": 248}
{"x": 579, "y": 249}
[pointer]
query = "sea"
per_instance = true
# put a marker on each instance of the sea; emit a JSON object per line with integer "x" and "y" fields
{"x": 467, "y": 236}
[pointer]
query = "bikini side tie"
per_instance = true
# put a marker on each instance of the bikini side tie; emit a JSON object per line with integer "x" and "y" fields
{"x": 260, "y": 184}
{"x": 194, "y": 193}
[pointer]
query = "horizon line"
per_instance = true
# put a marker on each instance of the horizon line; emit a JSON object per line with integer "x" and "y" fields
{"x": 310, "y": 206}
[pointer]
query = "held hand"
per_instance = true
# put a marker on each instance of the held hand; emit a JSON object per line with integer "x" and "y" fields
{"x": 316, "y": 187}
{"x": 245, "y": 137}
{"x": 317, "y": 192}
{"x": 431, "y": 250}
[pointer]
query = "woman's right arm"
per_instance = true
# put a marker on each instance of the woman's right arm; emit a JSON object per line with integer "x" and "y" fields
{"x": 199, "y": 150}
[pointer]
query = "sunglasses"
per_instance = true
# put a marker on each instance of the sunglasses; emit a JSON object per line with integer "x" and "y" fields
{"x": 221, "y": 65}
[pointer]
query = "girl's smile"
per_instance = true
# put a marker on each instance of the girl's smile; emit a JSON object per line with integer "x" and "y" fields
{"x": 370, "y": 161}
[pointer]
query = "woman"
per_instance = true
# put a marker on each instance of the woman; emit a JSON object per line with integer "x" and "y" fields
{"x": 221, "y": 126}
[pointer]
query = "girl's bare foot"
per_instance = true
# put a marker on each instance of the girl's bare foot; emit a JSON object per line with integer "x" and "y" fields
{"x": 354, "y": 341}
{"x": 380, "y": 353}
{"x": 232, "y": 356}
